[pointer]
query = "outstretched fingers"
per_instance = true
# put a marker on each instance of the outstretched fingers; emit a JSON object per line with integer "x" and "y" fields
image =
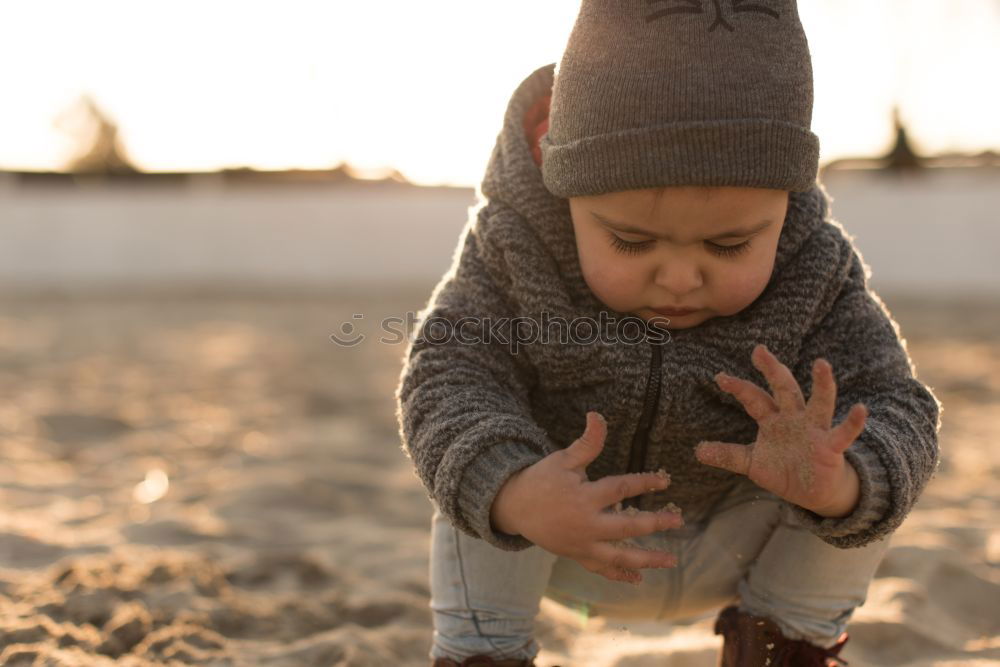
{"x": 617, "y": 574}
{"x": 847, "y": 431}
{"x": 588, "y": 446}
{"x": 606, "y": 570}
{"x": 757, "y": 402}
{"x": 624, "y": 525}
{"x": 625, "y": 557}
{"x": 823, "y": 398}
{"x": 726, "y": 455}
{"x": 616, "y": 488}
{"x": 783, "y": 384}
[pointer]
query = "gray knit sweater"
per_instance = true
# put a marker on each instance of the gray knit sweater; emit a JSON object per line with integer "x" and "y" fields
{"x": 473, "y": 413}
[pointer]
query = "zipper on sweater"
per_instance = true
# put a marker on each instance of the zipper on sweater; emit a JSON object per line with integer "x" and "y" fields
{"x": 640, "y": 441}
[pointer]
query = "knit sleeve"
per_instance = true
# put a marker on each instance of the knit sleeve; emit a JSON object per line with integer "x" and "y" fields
{"x": 462, "y": 402}
{"x": 897, "y": 452}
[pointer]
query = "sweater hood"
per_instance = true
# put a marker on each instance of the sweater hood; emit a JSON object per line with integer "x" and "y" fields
{"x": 526, "y": 234}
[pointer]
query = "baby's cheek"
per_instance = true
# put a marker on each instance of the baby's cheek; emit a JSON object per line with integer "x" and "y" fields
{"x": 610, "y": 284}
{"x": 742, "y": 290}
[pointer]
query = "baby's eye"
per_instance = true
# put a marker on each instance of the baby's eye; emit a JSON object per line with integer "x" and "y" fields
{"x": 636, "y": 247}
{"x": 628, "y": 247}
{"x": 729, "y": 250}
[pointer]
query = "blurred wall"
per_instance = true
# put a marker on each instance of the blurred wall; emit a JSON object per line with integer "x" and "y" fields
{"x": 932, "y": 232}
{"x": 929, "y": 232}
{"x": 208, "y": 235}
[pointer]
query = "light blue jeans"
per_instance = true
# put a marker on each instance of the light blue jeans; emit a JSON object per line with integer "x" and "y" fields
{"x": 740, "y": 551}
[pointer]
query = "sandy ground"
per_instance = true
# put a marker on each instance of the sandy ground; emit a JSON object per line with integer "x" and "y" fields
{"x": 212, "y": 481}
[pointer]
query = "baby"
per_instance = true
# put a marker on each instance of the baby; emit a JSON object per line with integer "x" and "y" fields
{"x": 649, "y": 290}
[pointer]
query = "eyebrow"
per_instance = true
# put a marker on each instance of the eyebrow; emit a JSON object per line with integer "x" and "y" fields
{"x": 732, "y": 233}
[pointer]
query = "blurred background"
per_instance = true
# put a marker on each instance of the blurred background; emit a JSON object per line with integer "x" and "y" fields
{"x": 194, "y": 196}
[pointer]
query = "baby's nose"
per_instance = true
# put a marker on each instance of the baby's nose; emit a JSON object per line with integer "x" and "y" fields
{"x": 679, "y": 277}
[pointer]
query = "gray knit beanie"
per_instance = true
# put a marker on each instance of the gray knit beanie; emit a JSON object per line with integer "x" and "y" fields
{"x": 651, "y": 93}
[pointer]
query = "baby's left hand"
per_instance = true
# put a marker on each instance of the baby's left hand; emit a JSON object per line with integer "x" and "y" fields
{"x": 797, "y": 455}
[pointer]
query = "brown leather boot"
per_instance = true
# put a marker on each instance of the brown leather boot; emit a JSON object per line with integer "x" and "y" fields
{"x": 757, "y": 641}
{"x": 482, "y": 661}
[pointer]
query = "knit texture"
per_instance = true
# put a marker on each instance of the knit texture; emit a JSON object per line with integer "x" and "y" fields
{"x": 471, "y": 415}
{"x": 685, "y": 92}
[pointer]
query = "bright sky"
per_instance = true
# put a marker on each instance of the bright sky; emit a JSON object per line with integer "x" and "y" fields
{"x": 422, "y": 86}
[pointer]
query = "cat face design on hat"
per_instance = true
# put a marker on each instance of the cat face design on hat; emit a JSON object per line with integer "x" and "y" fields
{"x": 695, "y": 7}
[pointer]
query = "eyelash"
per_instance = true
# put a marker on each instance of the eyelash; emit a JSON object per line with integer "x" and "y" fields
{"x": 635, "y": 247}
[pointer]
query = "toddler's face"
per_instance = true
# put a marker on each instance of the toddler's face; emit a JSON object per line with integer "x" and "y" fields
{"x": 701, "y": 248}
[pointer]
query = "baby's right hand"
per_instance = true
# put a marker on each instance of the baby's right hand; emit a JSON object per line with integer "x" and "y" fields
{"x": 554, "y": 504}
